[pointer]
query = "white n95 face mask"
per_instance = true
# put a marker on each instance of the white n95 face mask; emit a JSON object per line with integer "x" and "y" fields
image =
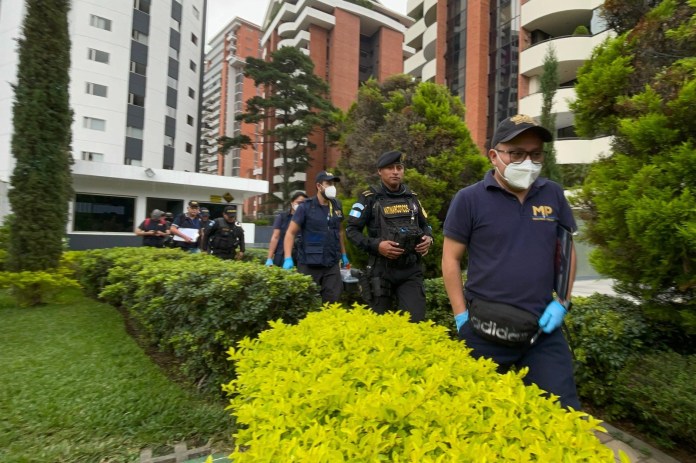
{"x": 330, "y": 192}
{"x": 521, "y": 176}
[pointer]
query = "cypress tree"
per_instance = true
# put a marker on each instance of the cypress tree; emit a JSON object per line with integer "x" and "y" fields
{"x": 41, "y": 183}
{"x": 549, "y": 86}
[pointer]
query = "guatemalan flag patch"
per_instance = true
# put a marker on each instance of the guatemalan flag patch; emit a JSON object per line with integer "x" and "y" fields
{"x": 356, "y": 210}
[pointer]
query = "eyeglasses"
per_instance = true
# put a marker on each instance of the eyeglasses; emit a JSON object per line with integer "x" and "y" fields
{"x": 517, "y": 156}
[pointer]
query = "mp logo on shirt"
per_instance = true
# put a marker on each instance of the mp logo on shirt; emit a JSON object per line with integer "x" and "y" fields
{"x": 543, "y": 213}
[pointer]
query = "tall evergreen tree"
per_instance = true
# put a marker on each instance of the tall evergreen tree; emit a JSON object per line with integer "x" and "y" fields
{"x": 41, "y": 183}
{"x": 549, "y": 86}
{"x": 640, "y": 87}
{"x": 295, "y": 106}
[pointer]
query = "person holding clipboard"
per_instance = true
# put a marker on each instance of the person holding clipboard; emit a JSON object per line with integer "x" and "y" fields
{"x": 516, "y": 228}
{"x": 186, "y": 228}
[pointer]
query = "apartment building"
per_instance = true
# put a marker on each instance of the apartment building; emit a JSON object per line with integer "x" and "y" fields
{"x": 472, "y": 48}
{"x": 348, "y": 42}
{"x": 225, "y": 91}
{"x": 491, "y": 54}
{"x": 135, "y": 90}
{"x": 572, "y": 28}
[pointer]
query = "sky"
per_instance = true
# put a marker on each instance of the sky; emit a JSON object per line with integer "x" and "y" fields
{"x": 220, "y": 12}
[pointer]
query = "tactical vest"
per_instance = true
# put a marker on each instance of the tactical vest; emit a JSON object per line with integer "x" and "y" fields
{"x": 398, "y": 221}
{"x": 225, "y": 239}
{"x": 320, "y": 245}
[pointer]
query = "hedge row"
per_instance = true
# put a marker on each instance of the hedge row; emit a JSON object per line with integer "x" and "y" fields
{"x": 194, "y": 305}
{"x": 624, "y": 364}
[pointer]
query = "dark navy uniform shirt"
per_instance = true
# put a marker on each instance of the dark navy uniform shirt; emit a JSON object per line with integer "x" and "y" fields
{"x": 511, "y": 246}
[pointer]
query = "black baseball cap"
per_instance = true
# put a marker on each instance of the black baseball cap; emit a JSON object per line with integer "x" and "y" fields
{"x": 204, "y": 211}
{"x": 325, "y": 176}
{"x": 513, "y": 126}
{"x": 230, "y": 210}
{"x": 194, "y": 204}
{"x": 390, "y": 157}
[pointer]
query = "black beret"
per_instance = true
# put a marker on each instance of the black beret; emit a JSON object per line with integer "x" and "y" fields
{"x": 390, "y": 157}
{"x": 515, "y": 125}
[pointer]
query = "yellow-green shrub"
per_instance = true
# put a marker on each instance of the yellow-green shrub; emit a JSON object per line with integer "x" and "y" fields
{"x": 35, "y": 288}
{"x": 355, "y": 386}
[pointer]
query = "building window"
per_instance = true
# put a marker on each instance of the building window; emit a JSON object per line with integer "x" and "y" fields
{"x": 189, "y": 120}
{"x": 189, "y": 148}
{"x": 194, "y": 39}
{"x": 133, "y": 162}
{"x": 192, "y": 93}
{"x": 192, "y": 65}
{"x": 139, "y": 37}
{"x": 196, "y": 13}
{"x": 168, "y": 141}
{"x": 96, "y": 89}
{"x": 174, "y": 24}
{"x": 134, "y": 132}
{"x": 136, "y": 100}
{"x": 90, "y": 156}
{"x": 94, "y": 123}
{"x": 172, "y": 82}
{"x": 97, "y": 55}
{"x": 138, "y": 68}
{"x": 171, "y": 112}
{"x": 174, "y": 53}
{"x": 142, "y": 5}
{"x": 98, "y": 21}
{"x": 97, "y": 213}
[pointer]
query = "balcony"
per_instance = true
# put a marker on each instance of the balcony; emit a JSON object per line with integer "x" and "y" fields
{"x": 531, "y": 105}
{"x": 577, "y": 151}
{"x": 557, "y": 18}
{"x": 571, "y": 52}
{"x": 414, "y": 64}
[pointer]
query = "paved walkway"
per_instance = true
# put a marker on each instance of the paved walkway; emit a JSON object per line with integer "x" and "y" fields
{"x": 637, "y": 450}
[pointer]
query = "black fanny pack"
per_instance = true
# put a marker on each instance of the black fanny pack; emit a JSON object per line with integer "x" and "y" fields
{"x": 503, "y": 323}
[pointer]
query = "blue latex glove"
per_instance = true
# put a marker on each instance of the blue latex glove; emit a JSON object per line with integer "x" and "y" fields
{"x": 288, "y": 263}
{"x": 552, "y": 316}
{"x": 460, "y": 319}
{"x": 269, "y": 262}
{"x": 344, "y": 258}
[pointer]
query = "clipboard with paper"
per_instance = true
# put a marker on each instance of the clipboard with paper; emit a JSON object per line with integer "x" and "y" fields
{"x": 562, "y": 264}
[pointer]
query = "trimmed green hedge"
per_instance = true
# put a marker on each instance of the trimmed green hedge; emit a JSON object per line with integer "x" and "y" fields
{"x": 196, "y": 305}
{"x": 356, "y": 386}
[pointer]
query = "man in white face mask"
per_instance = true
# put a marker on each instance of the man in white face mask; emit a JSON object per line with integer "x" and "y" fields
{"x": 321, "y": 244}
{"x": 509, "y": 224}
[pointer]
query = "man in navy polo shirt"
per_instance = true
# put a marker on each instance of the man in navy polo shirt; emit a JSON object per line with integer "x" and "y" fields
{"x": 508, "y": 225}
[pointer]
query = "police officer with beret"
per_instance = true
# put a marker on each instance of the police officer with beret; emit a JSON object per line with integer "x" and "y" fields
{"x": 398, "y": 236}
{"x": 321, "y": 245}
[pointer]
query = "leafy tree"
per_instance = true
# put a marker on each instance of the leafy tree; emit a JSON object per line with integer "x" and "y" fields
{"x": 41, "y": 183}
{"x": 549, "y": 85}
{"x": 424, "y": 121}
{"x": 640, "y": 87}
{"x": 294, "y": 107}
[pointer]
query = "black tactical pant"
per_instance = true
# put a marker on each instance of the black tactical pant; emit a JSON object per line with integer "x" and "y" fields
{"x": 403, "y": 281}
{"x": 327, "y": 278}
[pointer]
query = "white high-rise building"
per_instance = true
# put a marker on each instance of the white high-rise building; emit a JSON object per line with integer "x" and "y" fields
{"x": 135, "y": 90}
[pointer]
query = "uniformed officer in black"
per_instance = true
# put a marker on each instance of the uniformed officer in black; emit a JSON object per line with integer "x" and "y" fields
{"x": 225, "y": 235}
{"x": 398, "y": 236}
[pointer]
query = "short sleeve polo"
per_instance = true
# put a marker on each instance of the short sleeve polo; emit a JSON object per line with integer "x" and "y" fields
{"x": 511, "y": 246}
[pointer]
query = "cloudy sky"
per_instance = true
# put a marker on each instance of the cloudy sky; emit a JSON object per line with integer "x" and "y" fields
{"x": 220, "y": 12}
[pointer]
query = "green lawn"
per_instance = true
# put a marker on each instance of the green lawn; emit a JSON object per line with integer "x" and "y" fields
{"x": 74, "y": 387}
